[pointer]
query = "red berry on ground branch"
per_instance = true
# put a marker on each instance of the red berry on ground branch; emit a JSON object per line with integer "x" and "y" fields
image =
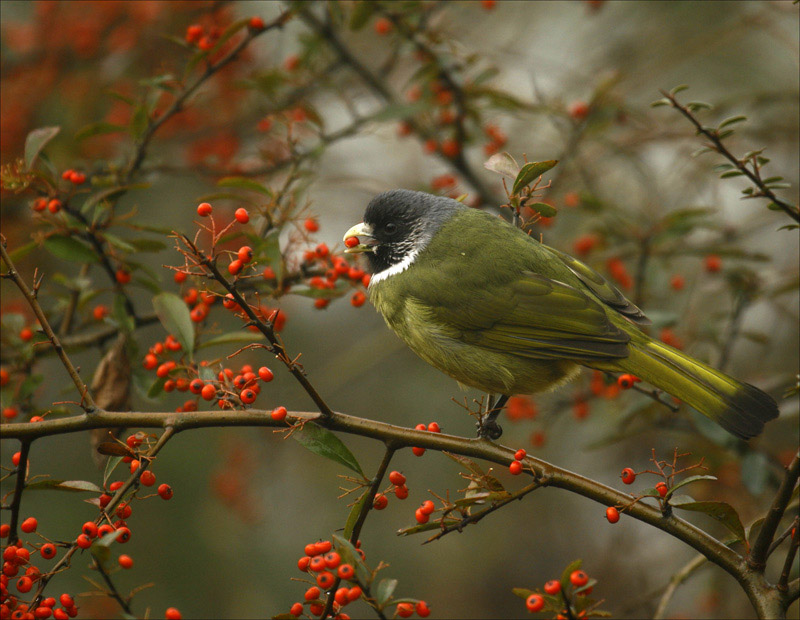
{"x": 662, "y": 488}
{"x": 241, "y": 215}
{"x": 396, "y": 478}
{"x": 520, "y": 454}
{"x": 125, "y": 561}
{"x": 515, "y": 468}
{"x": 405, "y": 610}
{"x": 48, "y": 551}
{"x": 172, "y": 613}
{"x": 345, "y": 571}
{"x": 380, "y": 502}
{"x": 279, "y": 413}
{"x": 423, "y": 611}
{"x": 165, "y": 491}
{"x": 29, "y": 525}
{"x": 204, "y": 209}
{"x": 427, "y": 507}
{"x": 612, "y": 514}
{"x": 421, "y": 517}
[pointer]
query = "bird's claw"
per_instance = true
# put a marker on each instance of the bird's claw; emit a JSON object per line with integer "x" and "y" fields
{"x": 490, "y": 429}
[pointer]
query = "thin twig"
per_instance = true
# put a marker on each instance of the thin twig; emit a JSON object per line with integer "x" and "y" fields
{"x": 87, "y": 402}
{"x": 712, "y": 135}
{"x": 677, "y": 579}
{"x": 758, "y": 555}
{"x": 19, "y": 487}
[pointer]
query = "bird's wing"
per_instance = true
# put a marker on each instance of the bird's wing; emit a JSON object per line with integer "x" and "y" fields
{"x": 531, "y": 316}
{"x": 607, "y": 292}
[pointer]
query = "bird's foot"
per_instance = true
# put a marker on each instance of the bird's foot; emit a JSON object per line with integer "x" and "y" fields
{"x": 489, "y": 429}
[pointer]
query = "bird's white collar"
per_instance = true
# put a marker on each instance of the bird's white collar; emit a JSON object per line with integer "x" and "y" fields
{"x": 394, "y": 269}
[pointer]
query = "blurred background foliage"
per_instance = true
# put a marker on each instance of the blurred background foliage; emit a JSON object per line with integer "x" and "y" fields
{"x": 345, "y": 101}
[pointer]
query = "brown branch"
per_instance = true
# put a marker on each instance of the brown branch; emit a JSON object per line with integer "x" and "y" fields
{"x": 758, "y": 555}
{"x": 19, "y": 487}
{"x": 783, "y": 581}
{"x": 713, "y": 136}
{"x": 86, "y": 398}
{"x": 112, "y": 589}
{"x": 677, "y": 579}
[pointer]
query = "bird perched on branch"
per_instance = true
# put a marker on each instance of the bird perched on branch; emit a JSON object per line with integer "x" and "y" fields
{"x": 499, "y": 311}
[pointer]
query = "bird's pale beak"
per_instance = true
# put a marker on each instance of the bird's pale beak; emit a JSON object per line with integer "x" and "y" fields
{"x": 358, "y": 231}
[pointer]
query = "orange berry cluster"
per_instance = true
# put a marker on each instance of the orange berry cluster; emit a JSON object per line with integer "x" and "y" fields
{"x": 336, "y": 267}
{"x": 570, "y": 592}
{"x": 433, "y": 427}
{"x": 321, "y": 561}
{"x": 515, "y": 468}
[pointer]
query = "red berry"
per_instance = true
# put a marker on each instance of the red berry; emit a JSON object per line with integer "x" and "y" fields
{"x": 302, "y": 563}
{"x": 90, "y": 529}
{"x": 25, "y": 334}
{"x": 351, "y": 242}
{"x": 54, "y": 206}
{"x": 24, "y": 584}
{"x": 235, "y": 267}
{"x": 427, "y": 507}
{"x": 423, "y": 611}
{"x": 100, "y": 312}
{"x": 713, "y": 263}
{"x": 534, "y": 603}
{"x": 421, "y": 517}
{"x": 265, "y": 374}
{"x": 626, "y": 381}
{"x": 123, "y": 534}
{"x": 312, "y": 593}
{"x": 48, "y": 551}
{"x": 332, "y": 559}
{"x": 345, "y": 571}
{"x": 401, "y": 492}
{"x": 325, "y": 580}
{"x": 322, "y": 250}
{"x": 612, "y": 514}
{"x": 204, "y": 209}
{"x": 123, "y": 276}
{"x": 677, "y": 282}
{"x": 380, "y": 502}
{"x": 165, "y": 491}
{"x": 4, "y": 377}
{"x": 488, "y": 4}
{"x": 125, "y": 561}
{"x": 172, "y": 613}
{"x": 520, "y": 454}
{"x": 256, "y": 24}
{"x": 515, "y": 468}
{"x": 354, "y": 593}
{"x": 662, "y": 488}
{"x": 383, "y": 26}
{"x": 628, "y": 475}
{"x": 279, "y": 413}
{"x": 248, "y": 396}
{"x": 311, "y": 225}
{"x": 552, "y": 587}
{"x": 434, "y": 427}
{"x": 83, "y": 541}
{"x": 418, "y": 451}
{"x": 450, "y": 148}
{"x": 397, "y": 479}
{"x": 296, "y": 609}
{"x": 196, "y": 386}
{"x": 241, "y": 215}
{"x": 578, "y": 110}
{"x": 358, "y": 299}
{"x": 578, "y": 578}
{"x": 193, "y": 33}
{"x": 405, "y": 610}
{"x": 208, "y": 392}
{"x": 147, "y": 478}
{"x": 29, "y": 525}
{"x": 245, "y": 254}
{"x": 317, "y": 563}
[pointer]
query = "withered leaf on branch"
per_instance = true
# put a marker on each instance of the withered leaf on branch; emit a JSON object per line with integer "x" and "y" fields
{"x": 111, "y": 389}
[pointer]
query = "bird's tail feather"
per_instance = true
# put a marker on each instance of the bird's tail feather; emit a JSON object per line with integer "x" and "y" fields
{"x": 740, "y": 408}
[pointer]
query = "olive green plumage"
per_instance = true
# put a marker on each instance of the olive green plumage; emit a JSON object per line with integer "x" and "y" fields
{"x": 499, "y": 311}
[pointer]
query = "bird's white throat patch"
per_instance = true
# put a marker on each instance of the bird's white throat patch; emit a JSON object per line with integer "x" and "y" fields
{"x": 394, "y": 269}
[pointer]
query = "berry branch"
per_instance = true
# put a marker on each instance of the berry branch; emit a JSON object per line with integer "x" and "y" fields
{"x": 753, "y": 173}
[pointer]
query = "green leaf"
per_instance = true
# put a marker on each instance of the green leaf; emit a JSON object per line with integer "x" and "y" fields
{"x": 350, "y": 556}
{"x": 28, "y": 386}
{"x": 36, "y": 141}
{"x": 75, "y": 486}
{"x": 698, "y": 105}
{"x": 324, "y": 443}
{"x": 660, "y": 102}
{"x": 544, "y": 209}
{"x": 148, "y": 245}
{"x": 231, "y": 337}
{"x": 384, "y": 591}
{"x": 722, "y": 512}
{"x": 108, "y": 194}
{"x": 69, "y": 248}
{"x": 689, "y": 480}
{"x": 157, "y": 389}
{"x": 732, "y": 120}
{"x": 502, "y": 163}
{"x": 678, "y": 89}
{"x": 174, "y": 316}
{"x": 139, "y": 122}
{"x": 731, "y": 173}
{"x": 531, "y": 171}
{"x": 120, "y": 244}
{"x": 99, "y": 128}
{"x": 111, "y": 465}
{"x": 753, "y": 530}
{"x": 522, "y": 592}
{"x": 244, "y": 183}
{"x": 352, "y": 518}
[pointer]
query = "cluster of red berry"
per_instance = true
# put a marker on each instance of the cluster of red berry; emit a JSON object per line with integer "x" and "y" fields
{"x": 399, "y": 488}
{"x": 557, "y": 596}
{"x": 433, "y": 427}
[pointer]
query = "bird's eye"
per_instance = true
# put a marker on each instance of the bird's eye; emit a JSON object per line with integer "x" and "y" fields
{"x": 390, "y": 228}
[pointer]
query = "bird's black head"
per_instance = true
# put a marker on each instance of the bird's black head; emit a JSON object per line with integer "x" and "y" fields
{"x": 401, "y": 222}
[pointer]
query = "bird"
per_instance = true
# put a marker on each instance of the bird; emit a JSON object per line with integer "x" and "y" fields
{"x": 498, "y": 310}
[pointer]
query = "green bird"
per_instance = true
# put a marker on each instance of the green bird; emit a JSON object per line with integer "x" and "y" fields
{"x": 497, "y": 310}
